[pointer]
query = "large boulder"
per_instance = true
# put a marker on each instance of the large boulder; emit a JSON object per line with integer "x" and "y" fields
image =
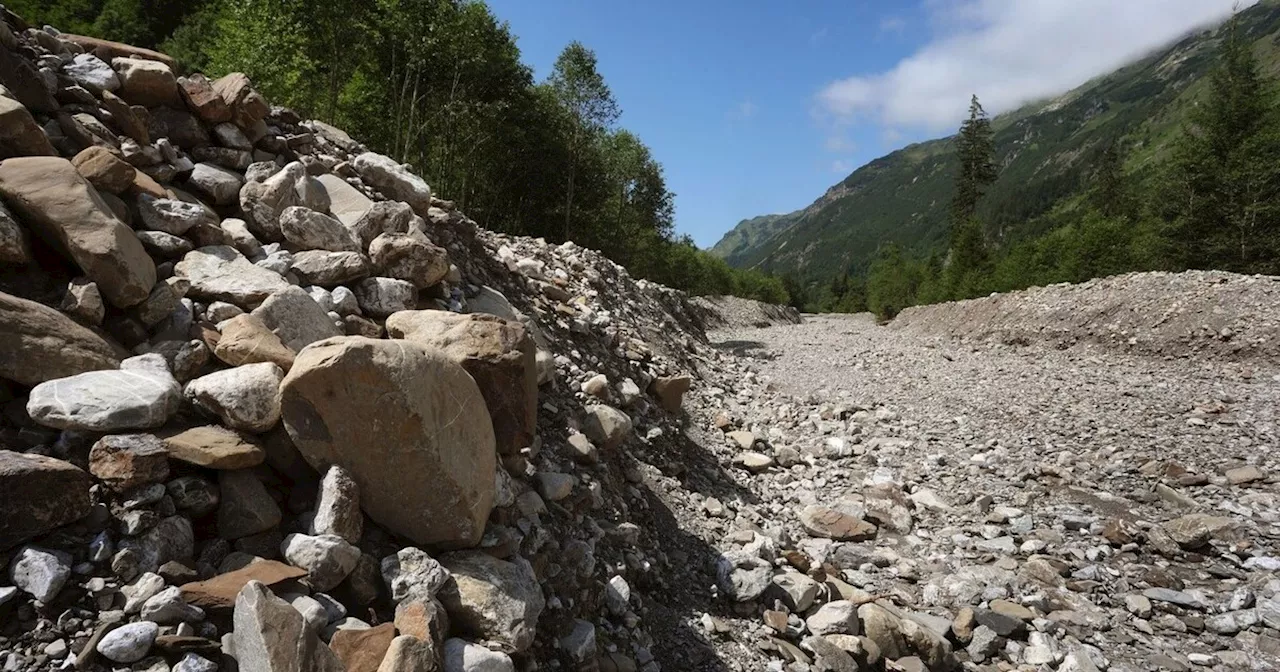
{"x": 92, "y": 73}
{"x": 494, "y": 599}
{"x": 394, "y": 180}
{"x": 220, "y": 273}
{"x": 311, "y": 230}
{"x": 104, "y": 170}
{"x": 246, "y": 339}
{"x": 271, "y": 636}
{"x": 38, "y": 344}
{"x": 146, "y": 82}
{"x": 498, "y": 354}
{"x": 410, "y": 257}
{"x": 296, "y": 318}
{"x": 38, "y": 494}
{"x": 245, "y": 397}
{"x": 141, "y": 394}
{"x": 20, "y": 135}
{"x": 407, "y": 423}
{"x": 51, "y": 198}
{"x": 345, "y": 201}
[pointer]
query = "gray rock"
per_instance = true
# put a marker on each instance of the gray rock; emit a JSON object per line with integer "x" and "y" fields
{"x": 221, "y": 273}
{"x": 839, "y": 617}
{"x": 246, "y": 397}
{"x": 141, "y": 589}
{"x": 393, "y": 180}
{"x": 311, "y": 230}
{"x": 219, "y": 185}
{"x": 140, "y": 395}
{"x": 171, "y": 539}
{"x": 92, "y": 73}
{"x": 193, "y": 663}
{"x": 580, "y": 643}
{"x": 327, "y": 269}
{"x": 129, "y": 643}
{"x": 409, "y": 257}
{"x": 296, "y": 318}
{"x": 40, "y": 573}
{"x": 744, "y": 576}
{"x": 496, "y": 599}
{"x": 463, "y": 656}
{"x": 168, "y": 608}
{"x": 985, "y": 643}
{"x": 411, "y": 573}
{"x": 338, "y": 506}
{"x": 617, "y": 595}
{"x": 382, "y": 217}
{"x": 313, "y": 613}
{"x": 796, "y": 591}
{"x": 345, "y": 201}
{"x": 1231, "y": 622}
{"x": 1180, "y": 598}
{"x": 328, "y": 559}
{"x": 193, "y": 494}
{"x": 172, "y": 216}
{"x": 271, "y": 636}
{"x": 246, "y": 508}
{"x": 380, "y": 297}
{"x": 606, "y": 426}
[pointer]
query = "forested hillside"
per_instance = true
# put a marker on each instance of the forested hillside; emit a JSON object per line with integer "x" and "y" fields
{"x": 439, "y": 84}
{"x": 1041, "y": 220}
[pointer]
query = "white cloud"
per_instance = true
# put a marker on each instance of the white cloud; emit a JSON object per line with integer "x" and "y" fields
{"x": 818, "y": 36}
{"x": 1010, "y": 52}
{"x": 842, "y": 166}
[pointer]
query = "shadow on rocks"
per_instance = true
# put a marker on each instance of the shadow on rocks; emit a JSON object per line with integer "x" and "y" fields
{"x": 683, "y": 590}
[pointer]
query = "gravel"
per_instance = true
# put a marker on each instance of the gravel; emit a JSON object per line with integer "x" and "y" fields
{"x": 1061, "y": 478}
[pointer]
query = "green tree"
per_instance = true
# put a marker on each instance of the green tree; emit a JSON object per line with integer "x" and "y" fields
{"x": 1111, "y": 191}
{"x": 592, "y": 110}
{"x": 1224, "y": 186}
{"x": 975, "y": 149}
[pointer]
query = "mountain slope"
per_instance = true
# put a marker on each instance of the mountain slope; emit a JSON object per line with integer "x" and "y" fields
{"x": 1046, "y": 151}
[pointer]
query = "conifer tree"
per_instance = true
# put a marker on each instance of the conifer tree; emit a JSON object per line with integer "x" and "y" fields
{"x": 975, "y": 147}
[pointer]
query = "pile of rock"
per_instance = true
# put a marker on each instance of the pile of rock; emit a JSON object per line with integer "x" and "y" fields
{"x": 269, "y": 403}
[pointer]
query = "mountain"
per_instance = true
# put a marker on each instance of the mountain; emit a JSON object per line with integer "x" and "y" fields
{"x": 1047, "y": 151}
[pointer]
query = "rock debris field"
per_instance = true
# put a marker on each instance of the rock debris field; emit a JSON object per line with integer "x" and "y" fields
{"x": 268, "y": 404}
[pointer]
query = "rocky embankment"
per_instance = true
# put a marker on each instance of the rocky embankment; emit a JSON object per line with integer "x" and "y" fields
{"x": 269, "y": 404}
{"x": 1209, "y": 313}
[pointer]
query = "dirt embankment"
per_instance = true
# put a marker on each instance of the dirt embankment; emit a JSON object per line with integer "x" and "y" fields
{"x": 1167, "y": 314}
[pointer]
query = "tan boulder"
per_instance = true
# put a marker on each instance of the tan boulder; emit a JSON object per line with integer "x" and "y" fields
{"x": 670, "y": 391}
{"x": 104, "y": 170}
{"x": 363, "y": 650}
{"x": 38, "y": 344}
{"x": 108, "y": 50}
{"x": 53, "y": 200}
{"x": 202, "y": 100}
{"x": 497, "y": 353}
{"x": 246, "y": 339}
{"x": 146, "y": 82}
{"x": 247, "y": 105}
{"x": 410, "y": 426}
{"x": 20, "y": 135}
{"x": 214, "y": 447}
{"x": 220, "y": 591}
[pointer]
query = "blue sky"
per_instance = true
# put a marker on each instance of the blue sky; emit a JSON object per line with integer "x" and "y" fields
{"x": 758, "y": 106}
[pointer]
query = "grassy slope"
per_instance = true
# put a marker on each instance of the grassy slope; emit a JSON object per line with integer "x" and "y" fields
{"x": 1046, "y": 152}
